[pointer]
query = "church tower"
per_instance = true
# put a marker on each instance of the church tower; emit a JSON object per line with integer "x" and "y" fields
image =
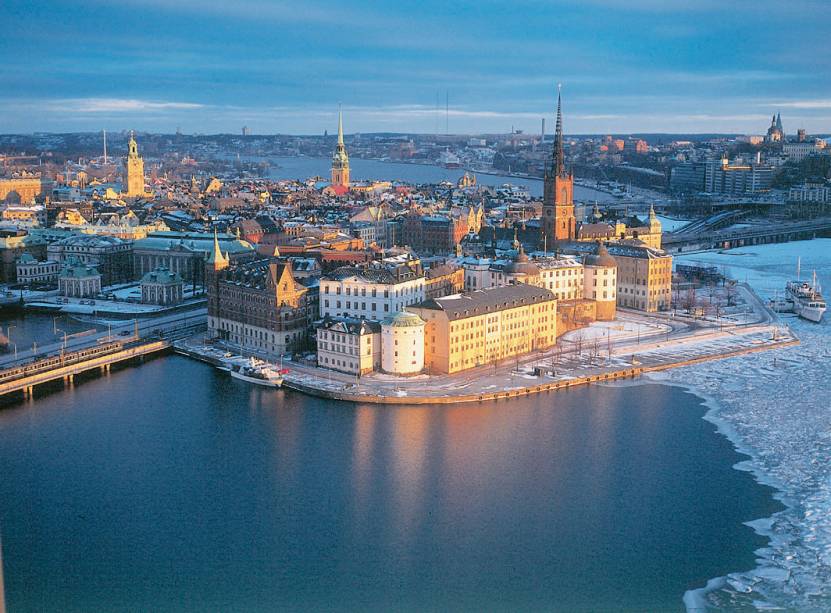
{"x": 340, "y": 160}
{"x": 558, "y": 222}
{"x": 135, "y": 169}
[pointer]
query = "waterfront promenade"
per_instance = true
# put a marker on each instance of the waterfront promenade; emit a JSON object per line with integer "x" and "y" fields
{"x": 634, "y": 344}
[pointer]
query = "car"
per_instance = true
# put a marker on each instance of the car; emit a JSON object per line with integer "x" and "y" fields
{"x": 125, "y": 333}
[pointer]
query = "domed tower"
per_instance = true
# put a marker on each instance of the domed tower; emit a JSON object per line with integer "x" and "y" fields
{"x": 340, "y": 159}
{"x": 600, "y": 282}
{"x": 402, "y": 344}
{"x": 522, "y": 270}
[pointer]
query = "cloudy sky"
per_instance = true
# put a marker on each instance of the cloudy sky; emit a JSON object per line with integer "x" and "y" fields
{"x": 284, "y": 65}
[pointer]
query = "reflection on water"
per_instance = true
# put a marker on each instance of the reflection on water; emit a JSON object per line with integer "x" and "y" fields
{"x": 172, "y": 487}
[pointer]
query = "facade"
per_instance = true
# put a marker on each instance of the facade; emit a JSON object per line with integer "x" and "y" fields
{"x": 20, "y": 190}
{"x": 371, "y": 292}
{"x": 600, "y": 282}
{"x": 134, "y": 170}
{"x": 721, "y": 177}
{"x": 33, "y": 215}
{"x": 439, "y": 234}
{"x": 162, "y": 287}
{"x": 775, "y": 133}
{"x": 443, "y": 280}
{"x": 632, "y": 228}
{"x": 563, "y": 275}
{"x": 558, "y": 220}
{"x": 644, "y": 278}
{"x": 257, "y": 305}
{"x": 185, "y": 253}
{"x": 79, "y": 280}
{"x": 402, "y": 344}
{"x": 112, "y": 256}
{"x": 486, "y": 326}
{"x": 340, "y": 162}
{"x": 817, "y": 193}
{"x": 13, "y": 244}
{"x": 32, "y": 271}
{"x": 796, "y": 152}
{"x": 352, "y": 346}
{"x": 687, "y": 178}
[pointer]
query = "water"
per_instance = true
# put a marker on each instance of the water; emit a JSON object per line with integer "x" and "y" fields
{"x": 304, "y": 167}
{"x": 24, "y": 331}
{"x": 172, "y": 487}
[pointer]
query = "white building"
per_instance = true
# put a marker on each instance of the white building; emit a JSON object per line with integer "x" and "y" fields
{"x": 402, "y": 344}
{"x": 161, "y": 287}
{"x": 349, "y": 345}
{"x": 796, "y": 152}
{"x": 810, "y": 192}
{"x": 561, "y": 275}
{"x": 30, "y": 270}
{"x": 79, "y": 280}
{"x": 370, "y": 292}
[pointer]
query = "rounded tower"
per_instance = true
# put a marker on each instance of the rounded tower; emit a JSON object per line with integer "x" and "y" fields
{"x": 600, "y": 282}
{"x": 402, "y": 344}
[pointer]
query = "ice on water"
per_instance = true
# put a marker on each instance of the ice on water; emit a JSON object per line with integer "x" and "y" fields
{"x": 776, "y": 407}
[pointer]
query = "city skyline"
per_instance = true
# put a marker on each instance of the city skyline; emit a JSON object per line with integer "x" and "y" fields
{"x": 213, "y": 67}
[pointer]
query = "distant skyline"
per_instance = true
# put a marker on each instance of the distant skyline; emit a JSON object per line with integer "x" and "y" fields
{"x": 282, "y": 67}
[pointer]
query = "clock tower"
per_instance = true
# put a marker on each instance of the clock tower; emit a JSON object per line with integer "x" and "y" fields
{"x": 558, "y": 221}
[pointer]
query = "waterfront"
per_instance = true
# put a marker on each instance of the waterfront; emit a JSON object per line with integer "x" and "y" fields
{"x": 305, "y": 167}
{"x": 128, "y": 493}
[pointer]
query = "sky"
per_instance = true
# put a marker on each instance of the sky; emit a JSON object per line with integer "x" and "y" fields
{"x": 284, "y": 66}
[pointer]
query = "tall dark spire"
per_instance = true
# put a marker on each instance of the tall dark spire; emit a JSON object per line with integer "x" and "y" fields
{"x": 559, "y": 156}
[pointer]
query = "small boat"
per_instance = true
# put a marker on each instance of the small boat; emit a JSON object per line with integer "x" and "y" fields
{"x": 257, "y": 372}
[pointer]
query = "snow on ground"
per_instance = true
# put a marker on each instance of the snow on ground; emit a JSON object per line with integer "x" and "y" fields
{"x": 618, "y": 329}
{"x": 668, "y": 224}
{"x": 776, "y": 407}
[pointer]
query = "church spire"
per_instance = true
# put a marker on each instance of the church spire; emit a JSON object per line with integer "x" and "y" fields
{"x": 340, "y": 127}
{"x": 559, "y": 156}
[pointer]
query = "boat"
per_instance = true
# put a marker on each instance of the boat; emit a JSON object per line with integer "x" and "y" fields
{"x": 806, "y": 297}
{"x": 257, "y": 372}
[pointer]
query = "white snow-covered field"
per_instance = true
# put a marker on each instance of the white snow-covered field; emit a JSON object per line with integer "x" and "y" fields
{"x": 669, "y": 224}
{"x": 776, "y": 407}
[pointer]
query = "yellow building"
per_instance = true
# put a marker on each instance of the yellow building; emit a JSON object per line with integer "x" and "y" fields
{"x": 644, "y": 277}
{"x": 135, "y": 170}
{"x": 486, "y": 326}
{"x": 340, "y": 161}
{"x": 20, "y": 190}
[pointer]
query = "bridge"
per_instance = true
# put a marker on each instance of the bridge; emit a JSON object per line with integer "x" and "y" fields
{"x": 66, "y": 365}
{"x": 705, "y": 237}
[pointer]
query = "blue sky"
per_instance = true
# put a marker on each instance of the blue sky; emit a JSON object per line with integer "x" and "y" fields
{"x": 283, "y": 66}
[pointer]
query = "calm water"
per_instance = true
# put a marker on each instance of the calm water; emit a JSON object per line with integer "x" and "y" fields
{"x": 302, "y": 168}
{"x": 172, "y": 487}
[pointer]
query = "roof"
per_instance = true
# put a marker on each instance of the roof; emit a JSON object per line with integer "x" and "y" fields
{"x": 195, "y": 241}
{"x": 349, "y": 325}
{"x": 162, "y": 276}
{"x": 601, "y": 258}
{"x": 490, "y": 300}
{"x": 78, "y": 270}
{"x": 402, "y": 319}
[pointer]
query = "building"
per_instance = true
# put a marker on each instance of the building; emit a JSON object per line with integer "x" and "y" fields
{"x": 558, "y": 220}
{"x": 443, "y": 280}
{"x": 817, "y": 193}
{"x": 162, "y": 287}
{"x": 13, "y": 244}
{"x": 32, "y": 215}
{"x": 600, "y": 282}
{"x": 20, "y": 190}
{"x": 687, "y": 177}
{"x": 31, "y": 271}
{"x": 113, "y": 257}
{"x": 340, "y": 162}
{"x": 486, "y": 326}
{"x": 257, "y": 305}
{"x": 722, "y": 177}
{"x": 185, "y": 253}
{"x": 644, "y": 277}
{"x": 402, "y": 344}
{"x": 371, "y": 292}
{"x": 775, "y": 133}
{"x": 134, "y": 169}
{"x": 796, "y": 152}
{"x": 649, "y": 232}
{"x": 79, "y": 280}
{"x": 348, "y": 345}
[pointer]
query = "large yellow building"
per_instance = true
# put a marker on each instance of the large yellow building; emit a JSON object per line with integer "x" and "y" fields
{"x": 135, "y": 170}
{"x": 644, "y": 277}
{"x": 20, "y": 190}
{"x": 486, "y": 326}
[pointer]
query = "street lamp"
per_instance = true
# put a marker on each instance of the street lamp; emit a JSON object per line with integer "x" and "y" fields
{"x": 64, "y": 337}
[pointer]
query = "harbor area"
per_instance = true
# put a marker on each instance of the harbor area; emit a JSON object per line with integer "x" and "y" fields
{"x": 633, "y": 344}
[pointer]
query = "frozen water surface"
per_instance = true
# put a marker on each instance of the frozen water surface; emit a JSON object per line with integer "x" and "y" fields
{"x": 776, "y": 407}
